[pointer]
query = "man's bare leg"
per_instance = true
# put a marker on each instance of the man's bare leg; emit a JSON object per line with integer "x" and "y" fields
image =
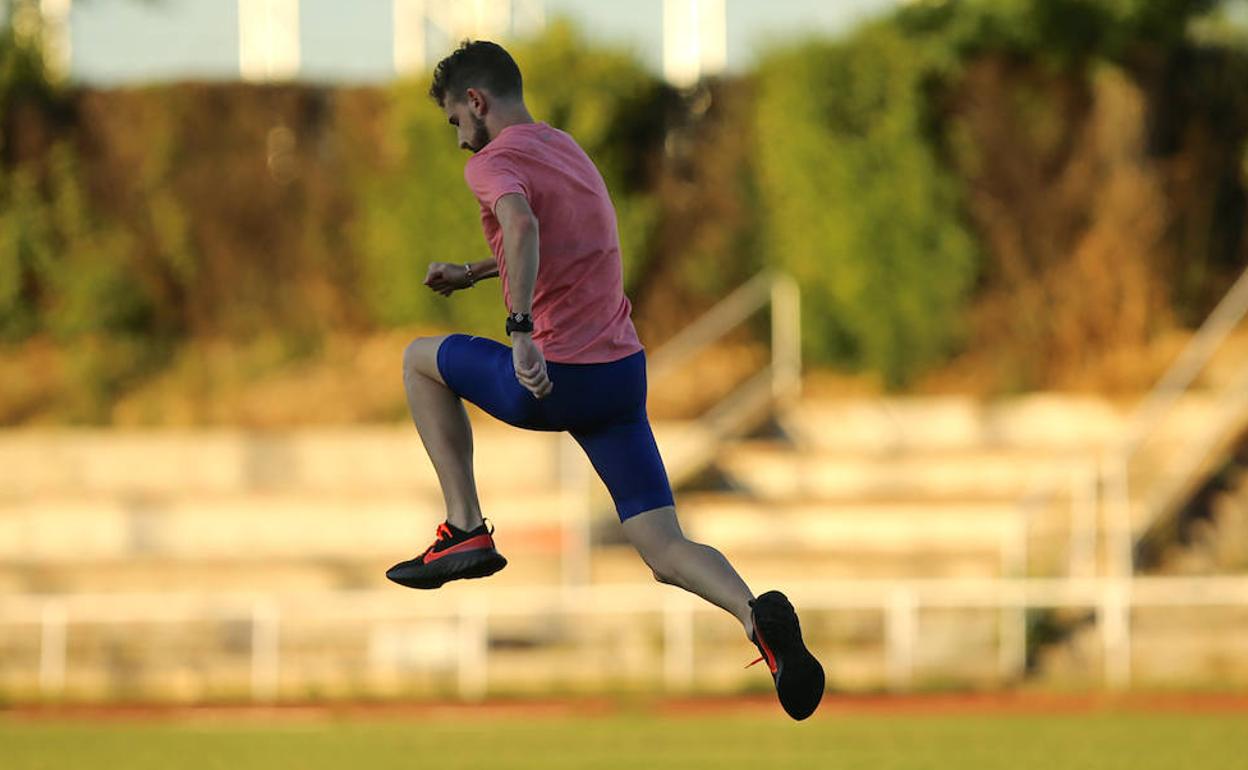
{"x": 702, "y": 570}
{"x": 443, "y": 425}
{"x": 697, "y": 568}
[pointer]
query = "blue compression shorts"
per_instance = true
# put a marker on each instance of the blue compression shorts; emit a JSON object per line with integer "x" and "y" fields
{"x": 603, "y": 406}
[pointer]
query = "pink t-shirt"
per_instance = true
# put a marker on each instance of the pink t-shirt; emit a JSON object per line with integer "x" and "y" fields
{"x": 580, "y": 313}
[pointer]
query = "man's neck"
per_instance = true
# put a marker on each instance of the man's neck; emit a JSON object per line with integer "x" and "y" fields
{"x": 504, "y": 116}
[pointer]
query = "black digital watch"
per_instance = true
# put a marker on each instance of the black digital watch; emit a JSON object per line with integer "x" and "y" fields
{"x": 519, "y": 322}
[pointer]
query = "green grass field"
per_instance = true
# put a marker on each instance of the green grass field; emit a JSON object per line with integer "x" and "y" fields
{"x": 1097, "y": 741}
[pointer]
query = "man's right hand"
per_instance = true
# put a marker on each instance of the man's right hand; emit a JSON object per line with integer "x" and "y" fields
{"x": 446, "y": 278}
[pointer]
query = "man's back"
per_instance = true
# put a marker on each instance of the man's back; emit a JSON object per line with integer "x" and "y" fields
{"x": 580, "y": 313}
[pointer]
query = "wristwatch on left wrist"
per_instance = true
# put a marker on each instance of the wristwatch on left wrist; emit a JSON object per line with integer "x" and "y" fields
{"x": 519, "y": 322}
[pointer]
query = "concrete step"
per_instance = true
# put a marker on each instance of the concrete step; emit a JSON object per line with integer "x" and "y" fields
{"x": 289, "y": 574}
{"x": 932, "y": 423}
{"x": 260, "y": 526}
{"x": 296, "y": 574}
{"x": 888, "y": 527}
{"x": 367, "y": 460}
{"x": 764, "y": 569}
{"x": 775, "y": 471}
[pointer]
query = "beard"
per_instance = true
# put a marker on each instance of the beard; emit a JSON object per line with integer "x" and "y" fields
{"x": 480, "y": 137}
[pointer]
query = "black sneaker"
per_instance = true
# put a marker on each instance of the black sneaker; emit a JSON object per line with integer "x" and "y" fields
{"x": 455, "y": 555}
{"x": 778, "y": 636}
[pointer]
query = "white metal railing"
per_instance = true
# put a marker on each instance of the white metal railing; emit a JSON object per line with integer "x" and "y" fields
{"x": 1123, "y": 527}
{"x": 778, "y": 290}
{"x": 1102, "y": 495}
{"x": 898, "y": 601}
{"x": 780, "y": 381}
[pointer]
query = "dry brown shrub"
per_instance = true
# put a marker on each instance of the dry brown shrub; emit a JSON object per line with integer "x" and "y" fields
{"x": 1073, "y": 215}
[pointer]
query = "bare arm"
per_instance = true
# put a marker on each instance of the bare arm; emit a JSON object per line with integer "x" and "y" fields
{"x": 486, "y": 268}
{"x": 520, "y": 249}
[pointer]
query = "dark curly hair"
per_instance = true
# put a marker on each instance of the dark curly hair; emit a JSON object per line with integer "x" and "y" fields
{"x": 476, "y": 64}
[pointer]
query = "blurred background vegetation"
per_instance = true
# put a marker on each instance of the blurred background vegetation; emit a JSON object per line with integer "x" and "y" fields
{"x": 983, "y": 195}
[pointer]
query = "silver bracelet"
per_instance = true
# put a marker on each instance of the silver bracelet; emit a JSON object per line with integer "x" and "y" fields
{"x": 471, "y": 280}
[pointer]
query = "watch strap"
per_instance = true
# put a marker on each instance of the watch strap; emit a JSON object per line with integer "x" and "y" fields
{"x": 519, "y": 322}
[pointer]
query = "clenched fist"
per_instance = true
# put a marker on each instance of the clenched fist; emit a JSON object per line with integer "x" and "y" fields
{"x": 446, "y": 278}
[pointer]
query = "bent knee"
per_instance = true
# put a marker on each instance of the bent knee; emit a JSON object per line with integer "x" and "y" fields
{"x": 420, "y": 358}
{"x": 662, "y": 563}
{"x": 665, "y": 577}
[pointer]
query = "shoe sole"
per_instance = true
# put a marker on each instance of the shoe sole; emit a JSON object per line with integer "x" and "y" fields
{"x": 799, "y": 677}
{"x": 459, "y": 566}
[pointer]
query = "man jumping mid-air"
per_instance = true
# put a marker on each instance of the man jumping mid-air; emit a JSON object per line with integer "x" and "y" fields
{"x": 575, "y": 363}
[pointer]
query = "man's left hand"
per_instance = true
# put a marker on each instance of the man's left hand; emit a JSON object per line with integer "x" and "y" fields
{"x": 530, "y": 365}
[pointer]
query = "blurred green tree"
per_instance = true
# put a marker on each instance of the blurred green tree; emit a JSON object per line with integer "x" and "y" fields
{"x": 858, "y": 205}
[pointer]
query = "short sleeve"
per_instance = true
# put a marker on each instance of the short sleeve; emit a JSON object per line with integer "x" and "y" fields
{"x": 492, "y": 176}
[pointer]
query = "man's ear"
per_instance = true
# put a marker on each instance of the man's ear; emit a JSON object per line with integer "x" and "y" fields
{"x": 477, "y": 102}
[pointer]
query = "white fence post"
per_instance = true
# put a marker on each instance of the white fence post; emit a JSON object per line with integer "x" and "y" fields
{"x": 1114, "y": 618}
{"x": 1084, "y": 492}
{"x": 577, "y": 500}
{"x": 474, "y": 648}
{"x": 678, "y": 657}
{"x": 53, "y": 642}
{"x": 901, "y": 632}
{"x": 1118, "y": 513}
{"x": 786, "y": 338}
{"x": 1012, "y": 635}
{"x": 265, "y": 650}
